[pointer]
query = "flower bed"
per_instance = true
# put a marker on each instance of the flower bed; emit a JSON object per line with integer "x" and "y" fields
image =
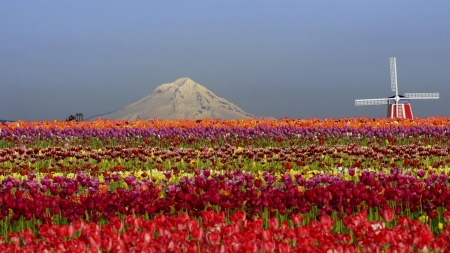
{"x": 231, "y": 186}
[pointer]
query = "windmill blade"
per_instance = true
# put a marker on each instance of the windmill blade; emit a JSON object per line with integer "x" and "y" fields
{"x": 422, "y": 95}
{"x": 375, "y": 101}
{"x": 393, "y": 74}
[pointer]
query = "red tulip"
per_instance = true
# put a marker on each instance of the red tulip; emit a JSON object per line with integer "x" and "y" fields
{"x": 387, "y": 214}
{"x": 266, "y": 235}
{"x": 192, "y": 224}
{"x": 213, "y": 238}
{"x": 116, "y": 223}
{"x": 197, "y": 233}
{"x": 236, "y": 246}
{"x": 208, "y": 216}
{"x": 446, "y": 216}
{"x": 290, "y": 234}
{"x": 222, "y": 249}
{"x": 288, "y": 166}
{"x": 302, "y": 232}
{"x": 273, "y": 223}
{"x": 256, "y": 224}
{"x": 283, "y": 247}
{"x": 249, "y": 246}
{"x": 267, "y": 246}
{"x": 219, "y": 217}
{"x": 327, "y": 221}
{"x": 423, "y": 238}
{"x": 238, "y": 216}
{"x": 284, "y": 225}
{"x": 297, "y": 219}
{"x": 230, "y": 230}
{"x": 14, "y": 238}
{"x": 432, "y": 214}
{"x": 94, "y": 242}
{"x": 27, "y": 236}
{"x": 106, "y": 243}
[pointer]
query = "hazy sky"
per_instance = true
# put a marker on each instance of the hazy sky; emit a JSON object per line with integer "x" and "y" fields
{"x": 298, "y": 59}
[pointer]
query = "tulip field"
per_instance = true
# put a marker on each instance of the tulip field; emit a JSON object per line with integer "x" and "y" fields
{"x": 253, "y": 185}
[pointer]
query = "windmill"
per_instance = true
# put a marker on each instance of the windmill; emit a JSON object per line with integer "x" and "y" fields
{"x": 398, "y": 105}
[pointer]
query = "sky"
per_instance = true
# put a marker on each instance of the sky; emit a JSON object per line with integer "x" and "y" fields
{"x": 272, "y": 58}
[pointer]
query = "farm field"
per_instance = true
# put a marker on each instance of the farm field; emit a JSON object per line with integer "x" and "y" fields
{"x": 253, "y": 185}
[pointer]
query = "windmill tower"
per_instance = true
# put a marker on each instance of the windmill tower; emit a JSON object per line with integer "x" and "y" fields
{"x": 398, "y": 105}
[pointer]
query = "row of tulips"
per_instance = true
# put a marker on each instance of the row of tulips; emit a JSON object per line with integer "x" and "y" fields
{"x": 245, "y": 123}
{"x": 61, "y": 199}
{"x": 260, "y": 132}
{"x": 214, "y": 233}
{"x": 71, "y": 159}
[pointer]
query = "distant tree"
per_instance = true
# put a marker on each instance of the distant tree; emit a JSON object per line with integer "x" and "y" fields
{"x": 70, "y": 118}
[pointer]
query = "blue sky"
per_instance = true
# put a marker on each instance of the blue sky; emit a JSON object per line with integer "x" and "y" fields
{"x": 298, "y": 59}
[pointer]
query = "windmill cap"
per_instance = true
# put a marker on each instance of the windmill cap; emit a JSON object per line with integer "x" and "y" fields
{"x": 403, "y": 100}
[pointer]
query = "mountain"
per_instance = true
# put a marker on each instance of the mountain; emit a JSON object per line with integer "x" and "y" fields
{"x": 182, "y": 99}
{"x": 3, "y": 121}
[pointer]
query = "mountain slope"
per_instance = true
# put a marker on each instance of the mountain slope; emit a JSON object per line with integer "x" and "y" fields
{"x": 182, "y": 99}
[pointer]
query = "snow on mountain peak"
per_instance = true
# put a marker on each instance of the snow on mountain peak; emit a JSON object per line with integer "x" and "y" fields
{"x": 181, "y": 99}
